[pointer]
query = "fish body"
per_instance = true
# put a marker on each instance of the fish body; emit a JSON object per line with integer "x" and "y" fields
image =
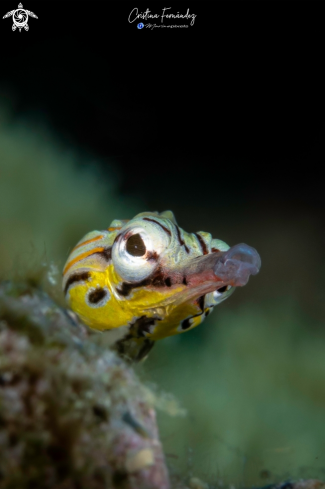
{"x": 147, "y": 279}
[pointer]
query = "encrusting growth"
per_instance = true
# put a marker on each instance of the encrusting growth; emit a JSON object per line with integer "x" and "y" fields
{"x": 72, "y": 413}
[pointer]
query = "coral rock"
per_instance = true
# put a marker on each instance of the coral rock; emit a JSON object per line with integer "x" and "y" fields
{"x": 72, "y": 414}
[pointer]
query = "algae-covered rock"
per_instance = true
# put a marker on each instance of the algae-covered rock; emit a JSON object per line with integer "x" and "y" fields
{"x": 72, "y": 414}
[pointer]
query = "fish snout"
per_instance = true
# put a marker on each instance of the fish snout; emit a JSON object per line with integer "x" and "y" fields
{"x": 237, "y": 264}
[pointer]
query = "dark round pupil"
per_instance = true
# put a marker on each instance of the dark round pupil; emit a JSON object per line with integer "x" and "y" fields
{"x": 223, "y": 289}
{"x": 135, "y": 245}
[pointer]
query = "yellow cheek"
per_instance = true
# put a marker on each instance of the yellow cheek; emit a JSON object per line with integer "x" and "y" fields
{"x": 171, "y": 325}
{"x": 116, "y": 313}
{"x": 109, "y": 316}
{"x": 145, "y": 300}
{"x": 140, "y": 302}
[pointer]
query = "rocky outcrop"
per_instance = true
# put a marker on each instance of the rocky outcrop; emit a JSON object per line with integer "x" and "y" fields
{"x": 72, "y": 413}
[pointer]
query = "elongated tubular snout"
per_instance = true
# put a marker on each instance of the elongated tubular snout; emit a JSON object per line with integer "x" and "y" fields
{"x": 237, "y": 264}
{"x": 206, "y": 273}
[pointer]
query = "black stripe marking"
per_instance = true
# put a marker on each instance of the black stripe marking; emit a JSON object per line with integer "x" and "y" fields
{"x": 157, "y": 280}
{"x": 202, "y": 243}
{"x": 200, "y": 302}
{"x": 106, "y": 254}
{"x": 180, "y": 239}
{"x": 164, "y": 228}
{"x": 126, "y": 288}
{"x": 76, "y": 277}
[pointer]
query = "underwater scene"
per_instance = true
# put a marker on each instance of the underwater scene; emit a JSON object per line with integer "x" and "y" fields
{"x": 242, "y": 396}
{"x": 162, "y": 312}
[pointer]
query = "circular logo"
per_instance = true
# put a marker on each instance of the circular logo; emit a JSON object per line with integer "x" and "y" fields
{"x": 140, "y": 26}
{"x": 20, "y": 17}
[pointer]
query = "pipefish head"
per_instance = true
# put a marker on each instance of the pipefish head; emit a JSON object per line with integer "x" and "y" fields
{"x": 151, "y": 278}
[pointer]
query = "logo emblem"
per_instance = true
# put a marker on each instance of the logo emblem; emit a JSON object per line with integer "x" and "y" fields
{"x": 20, "y": 18}
{"x": 140, "y": 26}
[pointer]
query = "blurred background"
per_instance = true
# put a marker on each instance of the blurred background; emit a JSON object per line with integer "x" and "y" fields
{"x": 223, "y": 123}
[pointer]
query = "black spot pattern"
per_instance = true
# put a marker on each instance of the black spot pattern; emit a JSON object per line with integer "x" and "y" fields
{"x": 97, "y": 295}
{"x": 186, "y": 324}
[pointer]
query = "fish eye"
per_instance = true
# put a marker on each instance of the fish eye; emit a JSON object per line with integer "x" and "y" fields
{"x": 130, "y": 255}
{"x": 136, "y": 251}
{"x": 135, "y": 246}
